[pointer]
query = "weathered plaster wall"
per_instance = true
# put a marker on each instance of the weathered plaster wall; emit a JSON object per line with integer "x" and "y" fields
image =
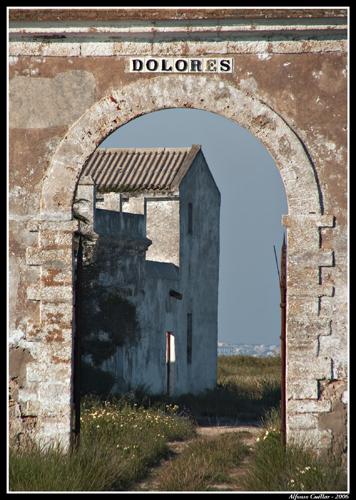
{"x": 199, "y": 271}
{"x": 283, "y": 88}
{"x": 123, "y": 303}
{"x": 133, "y": 204}
{"x": 162, "y": 219}
{"x": 109, "y": 286}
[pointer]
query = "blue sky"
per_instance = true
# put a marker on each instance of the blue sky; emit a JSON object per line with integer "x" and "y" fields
{"x": 253, "y": 201}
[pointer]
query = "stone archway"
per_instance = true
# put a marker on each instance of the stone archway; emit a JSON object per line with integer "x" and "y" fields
{"x": 305, "y": 217}
{"x": 199, "y": 92}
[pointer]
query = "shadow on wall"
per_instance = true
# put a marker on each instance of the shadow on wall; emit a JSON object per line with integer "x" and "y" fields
{"x": 106, "y": 321}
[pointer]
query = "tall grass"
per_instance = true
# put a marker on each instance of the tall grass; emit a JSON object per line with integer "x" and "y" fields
{"x": 291, "y": 468}
{"x": 117, "y": 446}
{"x": 247, "y": 388}
{"x": 122, "y": 439}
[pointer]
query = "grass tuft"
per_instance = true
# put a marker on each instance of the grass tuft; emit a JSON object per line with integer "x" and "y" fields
{"x": 292, "y": 468}
{"x": 203, "y": 464}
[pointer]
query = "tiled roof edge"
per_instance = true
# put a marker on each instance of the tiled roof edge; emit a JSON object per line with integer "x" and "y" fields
{"x": 194, "y": 150}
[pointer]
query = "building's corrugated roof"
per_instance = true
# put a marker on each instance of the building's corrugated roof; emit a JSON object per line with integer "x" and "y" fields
{"x": 139, "y": 169}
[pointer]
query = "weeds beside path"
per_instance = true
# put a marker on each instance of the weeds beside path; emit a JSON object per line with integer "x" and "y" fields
{"x": 118, "y": 445}
{"x": 134, "y": 444}
{"x": 215, "y": 460}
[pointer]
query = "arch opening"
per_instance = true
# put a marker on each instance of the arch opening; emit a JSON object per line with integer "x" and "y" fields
{"x": 250, "y": 188}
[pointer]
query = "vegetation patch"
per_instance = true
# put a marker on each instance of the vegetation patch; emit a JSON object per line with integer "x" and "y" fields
{"x": 204, "y": 463}
{"x": 292, "y": 468}
{"x": 122, "y": 439}
{"x": 247, "y": 388}
{"x": 118, "y": 444}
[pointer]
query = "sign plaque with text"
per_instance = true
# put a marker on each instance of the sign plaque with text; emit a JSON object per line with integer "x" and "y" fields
{"x": 180, "y": 65}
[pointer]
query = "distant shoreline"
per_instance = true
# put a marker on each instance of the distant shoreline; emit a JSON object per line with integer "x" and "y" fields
{"x": 257, "y": 350}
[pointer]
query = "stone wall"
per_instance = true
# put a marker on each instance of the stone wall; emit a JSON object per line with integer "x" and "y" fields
{"x": 288, "y": 87}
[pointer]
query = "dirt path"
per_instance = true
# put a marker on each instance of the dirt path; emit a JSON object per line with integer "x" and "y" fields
{"x": 249, "y": 434}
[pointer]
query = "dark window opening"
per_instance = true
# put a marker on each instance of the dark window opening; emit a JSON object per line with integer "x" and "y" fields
{"x": 189, "y": 337}
{"x": 190, "y": 218}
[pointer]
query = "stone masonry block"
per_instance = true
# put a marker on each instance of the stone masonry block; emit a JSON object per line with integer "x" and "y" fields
{"x": 308, "y": 328}
{"x": 49, "y": 237}
{"x": 30, "y": 408}
{"x": 327, "y": 306}
{"x": 303, "y": 347}
{"x": 314, "y": 438}
{"x": 36, "y": 373}
{"x": 309, "y": 240}
{"x": 57, "y": 333}
{"x": 45, "y": 49}
{"x": 307, "y": 406}
{"x": 53, "y": 397}
{"x": 52, "y": 276}
{"x": 314, "y": 219}
{"x": 51, "y": 294}
{"x": 312, "y": 258}
{"x": 297, "y": 389}
{"x": 301, "y": 421}
{"x": 311, "y": 291}
{"x": 52, "y": 431}
{"x": 46, "y": 224}
{"x": 341, "y": 369}
{"x": 56, "y": 313}
{"x": 33, "y": 293}
{"x": 317, "y": 368}
{"x": 300, "y": 307}
{"x": 329, "y": 344}
{"x": 33, "y": 330}
{"x": 28, "y": 394}
{"x": 298, "y": 274}
{"x": 39, "y": 256}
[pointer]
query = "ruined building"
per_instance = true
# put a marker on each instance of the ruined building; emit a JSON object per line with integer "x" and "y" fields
{"x": 147, "y": 282}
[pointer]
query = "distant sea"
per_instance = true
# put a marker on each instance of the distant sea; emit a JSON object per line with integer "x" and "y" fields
{"x": 257, "y": 350}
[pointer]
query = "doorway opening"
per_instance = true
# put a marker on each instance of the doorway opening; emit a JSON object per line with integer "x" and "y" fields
{"x": 170, "y": 360}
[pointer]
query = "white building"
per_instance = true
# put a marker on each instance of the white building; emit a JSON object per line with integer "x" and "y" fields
{"x": 147, "y": 291}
